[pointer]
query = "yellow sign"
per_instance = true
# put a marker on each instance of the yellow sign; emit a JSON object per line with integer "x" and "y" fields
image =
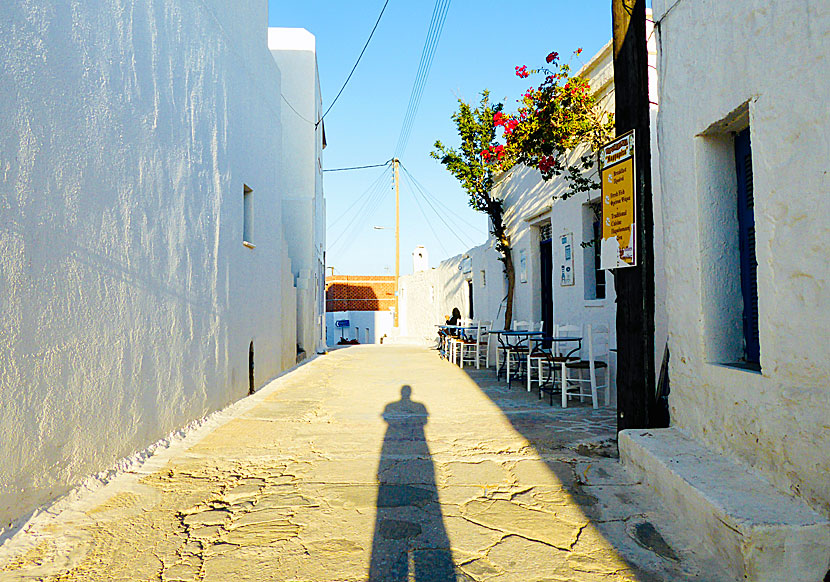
{"x": 618, "y": 244}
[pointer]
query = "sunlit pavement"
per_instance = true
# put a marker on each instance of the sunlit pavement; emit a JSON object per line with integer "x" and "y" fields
{"x": 371, "y": 463}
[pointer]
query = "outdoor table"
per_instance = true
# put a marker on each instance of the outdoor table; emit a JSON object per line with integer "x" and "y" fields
{"x": 537, "y": 346}
{"x": 510, "y": 339}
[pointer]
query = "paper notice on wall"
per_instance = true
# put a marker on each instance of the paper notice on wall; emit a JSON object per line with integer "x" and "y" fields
{"x": 522, "y": 266}
{"x": 619, "y": 203}
{"x": 566, "y": 275}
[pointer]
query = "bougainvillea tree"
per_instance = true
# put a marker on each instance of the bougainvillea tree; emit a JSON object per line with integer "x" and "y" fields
{"x": 557, "y": 129}
{"x": 474, "y": 166}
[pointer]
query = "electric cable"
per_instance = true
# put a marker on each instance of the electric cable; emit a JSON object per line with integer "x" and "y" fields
{"x": 371, "y": 34}
{"x": 436, "y": 26}
{"x": 450, "y": 228}
{"x": 357, "y": 200}
{"x": 386, "y": 163}
{"x": 438, "y": 200}
{"x": 429, "y": 223}
{"x": 427, "y": 55}
{"x": 300, "y": 115}
{"x": 372, "y": 202}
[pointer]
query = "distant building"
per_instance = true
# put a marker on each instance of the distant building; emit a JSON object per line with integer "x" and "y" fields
{"x": 366, "y": 302}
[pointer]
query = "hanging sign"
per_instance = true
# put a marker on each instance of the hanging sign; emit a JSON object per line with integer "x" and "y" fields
{"x": 619, "y": 196}
{"x": 566, "y": 276}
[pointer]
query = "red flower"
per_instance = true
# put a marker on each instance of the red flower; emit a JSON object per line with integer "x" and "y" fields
{"x": 521, "y": 72}
{"x": 552, "y": 57}
{"x": 578, "y": 51}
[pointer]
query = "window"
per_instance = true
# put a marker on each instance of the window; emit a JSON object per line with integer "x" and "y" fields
{"x": 247, "y": 216}
{"x": 729, "y": 269}
{"x": 594, "y": 277}
{"x": 483, "y": 278}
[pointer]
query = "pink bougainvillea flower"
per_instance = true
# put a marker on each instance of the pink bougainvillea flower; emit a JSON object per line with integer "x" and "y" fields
{"x": 552, "y": 57}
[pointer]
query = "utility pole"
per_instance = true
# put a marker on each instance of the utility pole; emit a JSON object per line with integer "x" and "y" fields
{"x": 635, "y": 285}
{"x": 397, "y": 241}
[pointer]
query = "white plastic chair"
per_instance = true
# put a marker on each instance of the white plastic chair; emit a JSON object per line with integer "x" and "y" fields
{"x": 457, "y": 339}
{"x": 468, "y": 343}
{"x": 597, "y": 338}
{"x": 484, "y": 344}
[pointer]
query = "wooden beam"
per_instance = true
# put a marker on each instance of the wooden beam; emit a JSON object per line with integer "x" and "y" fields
{"x": 635, "y": 285}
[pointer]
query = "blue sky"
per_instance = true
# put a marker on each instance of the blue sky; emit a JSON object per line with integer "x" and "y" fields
{"x": 480, "y": 45}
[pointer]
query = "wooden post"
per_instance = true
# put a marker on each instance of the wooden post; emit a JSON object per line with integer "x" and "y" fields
{"x": 397, "y": 242}
{"x": 635, "y": 285}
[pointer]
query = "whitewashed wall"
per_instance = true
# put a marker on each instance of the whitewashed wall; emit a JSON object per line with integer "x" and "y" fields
{"x": 127, "y": 300}
{"x": 775, "y": 57}
{"x": 303, "y": 207}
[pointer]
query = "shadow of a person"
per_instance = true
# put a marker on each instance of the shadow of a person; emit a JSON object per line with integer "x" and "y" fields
{"x": 410, "y": 541}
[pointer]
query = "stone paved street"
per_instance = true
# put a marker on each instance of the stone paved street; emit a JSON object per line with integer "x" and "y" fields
{"x": 370, "y": 463}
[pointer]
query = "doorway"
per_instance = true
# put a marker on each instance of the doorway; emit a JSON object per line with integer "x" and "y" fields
{"x": 251, "y": 389}
{"x": 470, "y": 297}
{"x": 546, "y": 273}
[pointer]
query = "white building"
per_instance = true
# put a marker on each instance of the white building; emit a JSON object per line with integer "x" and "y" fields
{"x": 548, "y": 286}
{"x": 743, "y": 129}
{"x": 144, "y": 278}
{"x": 303, "y": 205}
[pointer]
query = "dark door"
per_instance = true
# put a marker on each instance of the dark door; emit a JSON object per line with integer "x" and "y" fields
{"x": 546, "y": 284}
{"x": 470, "y": 292}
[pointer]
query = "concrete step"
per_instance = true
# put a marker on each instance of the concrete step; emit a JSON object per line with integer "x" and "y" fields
{"x": 760, "y": 533}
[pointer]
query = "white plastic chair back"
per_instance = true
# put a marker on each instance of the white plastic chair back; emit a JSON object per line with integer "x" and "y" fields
{"x": 485, "y": 344}
{"x": 565, "y": 330}
{"x": 599, "y": 342}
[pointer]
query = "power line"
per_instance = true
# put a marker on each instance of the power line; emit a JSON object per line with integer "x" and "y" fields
{"x": 300, "y": 115}
{"x": 450, "y": 228}
{"x": 358, "y": 200}
{"x": 386, "y": 163}
{"x": 436, "y": 199}
{"x": 371, "y": 34}
{"x": 429, "y": 223}
{"x": 436, "y": 25}
{"x": 371, "y": 202}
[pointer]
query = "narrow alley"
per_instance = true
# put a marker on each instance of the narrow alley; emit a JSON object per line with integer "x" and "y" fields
{"x": 370, "y": 463}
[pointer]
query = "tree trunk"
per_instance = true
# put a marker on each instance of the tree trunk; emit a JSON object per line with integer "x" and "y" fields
{"x": 510, "y": 271}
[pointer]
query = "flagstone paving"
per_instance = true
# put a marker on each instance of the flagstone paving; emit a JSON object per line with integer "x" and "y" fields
{"x": 372, "y": 463}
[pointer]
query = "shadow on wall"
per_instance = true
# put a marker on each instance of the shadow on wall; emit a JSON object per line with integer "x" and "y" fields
{"x": 410, "y": 541}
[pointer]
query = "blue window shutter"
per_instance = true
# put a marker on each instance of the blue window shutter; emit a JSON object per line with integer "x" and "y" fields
{"x": 746, "y": 228}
